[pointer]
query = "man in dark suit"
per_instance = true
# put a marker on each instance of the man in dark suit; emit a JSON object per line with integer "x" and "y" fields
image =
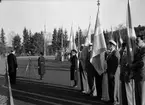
{"x": 92, "y": 75}
{"x": 123, "y": 74}
{"x": 12, "y": 67}
{"x": 81, "y": 69}
{"x": 112, "y": 64}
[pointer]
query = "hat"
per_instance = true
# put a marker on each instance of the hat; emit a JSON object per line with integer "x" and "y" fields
{"x": 90, "y": 44}
{"x": 123, "y": 44}
{"x": 74, "y": 50}
{"x": 112, "y": 42}
{"x": 82, "y": 45}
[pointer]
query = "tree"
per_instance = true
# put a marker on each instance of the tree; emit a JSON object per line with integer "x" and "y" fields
{"x": 60, "y": 36}
{"x": 26, "y": 41}
{"x": 80, "y": 38}
{"x": 54, "y": 40}
{"x": 31, "y": 46}
{"x": 2, "y": 42}
{"x": 38, "y": 43}
{"x": 16, "y": 43}
{"x": 106, "y": 36}
{"x": 65, "y": 40}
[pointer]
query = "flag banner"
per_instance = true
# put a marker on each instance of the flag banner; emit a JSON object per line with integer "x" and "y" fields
{"x": 72, "y": 44}
{"x": 120, "y": 40}
{"x": 131, "y": 36}
{"x": 5, "y": 87}
{"x": 88, "y": 37}
{"x": 99, "y": 46}
{"x": 111, "y": 35}
{"x": 130, "y": 54}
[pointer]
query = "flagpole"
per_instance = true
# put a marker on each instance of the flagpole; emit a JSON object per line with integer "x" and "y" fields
{"x": 78, "y": 39}
{"x": 96, "y": 20}
{"x": 97, "y": 14}
{"x": 129, "y": 25}
{"x": 11, "y": 101}
{"x": 88, "y": 38}
{"x": 44, "y": 40}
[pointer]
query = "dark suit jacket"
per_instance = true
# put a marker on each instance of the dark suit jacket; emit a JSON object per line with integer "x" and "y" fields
{"x": 41, "y": 65}
{"x": 112, "y": 62}
{"x": 12, "y": 63}
{"x": 138, "y": 65}
{"x": 74, "y": 62}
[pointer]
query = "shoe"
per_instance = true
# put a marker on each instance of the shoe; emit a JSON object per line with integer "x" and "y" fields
{"x": 102, "y": 99}
{"x": 116, "y": 103}
{"x": 84, "y": 92}
{"x": 94, "y": 95}
{"x": 75, "y": 86}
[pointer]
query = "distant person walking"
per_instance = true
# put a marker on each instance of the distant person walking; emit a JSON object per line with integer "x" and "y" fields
{"x": 12, "y": 67}
{"x": 41, "y": 65}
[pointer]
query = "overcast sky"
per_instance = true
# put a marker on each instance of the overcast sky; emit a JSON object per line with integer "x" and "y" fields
{"x": 34, "y": 14}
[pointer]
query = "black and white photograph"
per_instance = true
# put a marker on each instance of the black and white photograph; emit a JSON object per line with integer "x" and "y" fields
{"x": 72, "y": 52}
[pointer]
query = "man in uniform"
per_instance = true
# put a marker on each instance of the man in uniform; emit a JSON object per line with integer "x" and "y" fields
{"x": 123, "y": 74}
{"x": 112, "y": 64}
{"x": 90, "y": 70}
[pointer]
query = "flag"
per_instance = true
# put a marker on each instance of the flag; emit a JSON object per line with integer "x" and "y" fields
{"x": 72, "y": 44}
{"x": 130, "y": 35}
{"x": 6, "y": 97}
{"x": 120, "y": 38}
{"x": 99, "y": 46}
{"x": 112, "y": 36}
{"x": 130, "y": 51}
{"x": 88, "y": 37}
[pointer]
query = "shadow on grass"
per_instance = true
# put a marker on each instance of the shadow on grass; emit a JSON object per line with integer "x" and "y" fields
{"x": 40, "y": 93}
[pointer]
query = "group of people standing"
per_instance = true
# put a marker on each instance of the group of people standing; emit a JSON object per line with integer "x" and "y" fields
{"x": 121, "y": 83}
{"x": 13, "y": 66}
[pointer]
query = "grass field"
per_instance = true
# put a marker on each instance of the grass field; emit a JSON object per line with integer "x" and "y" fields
{"x": 50, "y": 62}
{"x": 57, "y": 72}
{"x": 54, "y": 89}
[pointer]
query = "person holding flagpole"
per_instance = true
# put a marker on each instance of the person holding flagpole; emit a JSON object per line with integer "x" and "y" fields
{"x": 131, "y": 49}
{"x": 81, "y": 68}
{"x": 123, "y": 74}
{"x": 138, "y": 69}
{"x": 99, "y": 47}
{"x": 83, "y": 63}
{"x": 112, "y": 64}
{"x": 89, "y": 69}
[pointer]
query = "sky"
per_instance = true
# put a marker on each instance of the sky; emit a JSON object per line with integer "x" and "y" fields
{"x": 34, "y": 14}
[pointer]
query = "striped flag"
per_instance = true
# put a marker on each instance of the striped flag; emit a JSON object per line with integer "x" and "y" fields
{"x": 6, "y": 97}
{"x": 99, "y": 46}
{"x": 131, "y": 36}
